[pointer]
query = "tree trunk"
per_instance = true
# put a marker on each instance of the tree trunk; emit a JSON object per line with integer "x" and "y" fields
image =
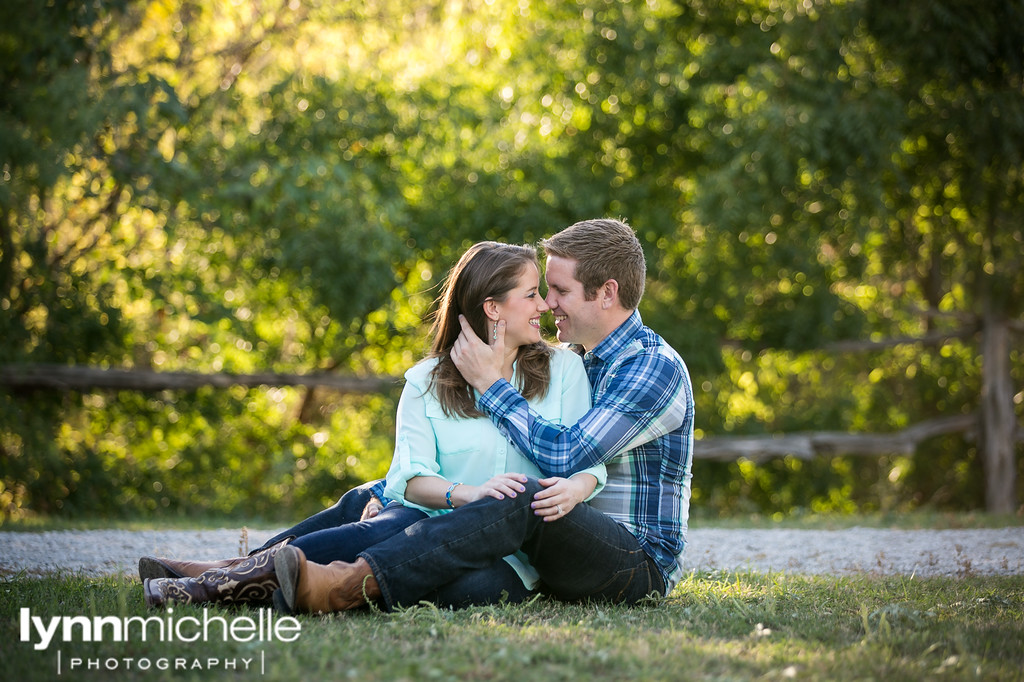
{"x": 998, "y": 426}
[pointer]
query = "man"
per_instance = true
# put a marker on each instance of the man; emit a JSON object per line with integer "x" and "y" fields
{"x": 625, "y": 545}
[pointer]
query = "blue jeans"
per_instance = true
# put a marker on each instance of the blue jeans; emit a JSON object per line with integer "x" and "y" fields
{"x": 583, "y": 555}
{"x": 337, "y": 534}
{"x": 348, "y": 509}
{"x": 494, "y": 584}
{"x": 345, "y": 542}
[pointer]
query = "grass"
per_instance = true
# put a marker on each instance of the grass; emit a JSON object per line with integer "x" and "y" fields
{"x": 715, "y": 626}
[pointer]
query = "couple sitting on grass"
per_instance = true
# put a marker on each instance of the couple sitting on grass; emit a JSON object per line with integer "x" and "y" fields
{"x": 519, "y": 467}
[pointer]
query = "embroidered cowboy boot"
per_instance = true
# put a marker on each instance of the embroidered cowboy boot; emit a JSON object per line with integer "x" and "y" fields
{"x": 161, "y": 567}
{"x": 251, "y": 578}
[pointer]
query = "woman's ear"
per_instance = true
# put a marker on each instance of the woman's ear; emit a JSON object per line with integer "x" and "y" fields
{"x": 491, "y": 309}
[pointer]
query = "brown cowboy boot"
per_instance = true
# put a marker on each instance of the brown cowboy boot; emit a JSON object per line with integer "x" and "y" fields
{"x": 307, "y": 587}
{"x": 247, "y": 579}
{"x": 161, "y": 567}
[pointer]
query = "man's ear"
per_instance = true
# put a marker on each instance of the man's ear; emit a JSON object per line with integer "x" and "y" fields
{"x": 609, "y": 294}
{"x": 491, "y": 309}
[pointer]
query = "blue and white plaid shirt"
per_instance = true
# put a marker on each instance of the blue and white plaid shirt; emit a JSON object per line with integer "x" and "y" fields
{"x": 640, "y": 427}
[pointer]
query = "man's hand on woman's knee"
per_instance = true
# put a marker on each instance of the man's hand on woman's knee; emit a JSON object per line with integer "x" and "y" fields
{"x": 372, "y": 508}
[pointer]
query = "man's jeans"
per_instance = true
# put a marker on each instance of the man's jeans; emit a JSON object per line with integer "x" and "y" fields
{"x": 583, "y": 555}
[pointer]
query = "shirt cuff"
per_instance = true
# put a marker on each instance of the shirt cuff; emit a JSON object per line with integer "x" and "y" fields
{"x": 499, "y": 399}
{"x": 377, "y": 489}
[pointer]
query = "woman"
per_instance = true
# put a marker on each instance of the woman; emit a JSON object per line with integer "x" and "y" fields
{"x": 447, "y": 453}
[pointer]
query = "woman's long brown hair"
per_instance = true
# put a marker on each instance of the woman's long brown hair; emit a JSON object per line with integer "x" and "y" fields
{"x": 487, "y": 270}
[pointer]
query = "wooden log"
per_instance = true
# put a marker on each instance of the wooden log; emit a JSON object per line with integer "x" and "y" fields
{"x": 804, "y": 445}
{"x": 73, "y": 378}
{"x": 808, "y": 445}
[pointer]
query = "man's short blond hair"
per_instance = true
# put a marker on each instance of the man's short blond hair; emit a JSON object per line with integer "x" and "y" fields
{"x": 603, "y": 249}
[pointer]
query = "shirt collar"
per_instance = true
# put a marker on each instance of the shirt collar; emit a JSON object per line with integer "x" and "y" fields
{"x": 612, "y": 345}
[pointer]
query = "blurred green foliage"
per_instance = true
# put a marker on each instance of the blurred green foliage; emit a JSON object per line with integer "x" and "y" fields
{"x": 252, "y": 186}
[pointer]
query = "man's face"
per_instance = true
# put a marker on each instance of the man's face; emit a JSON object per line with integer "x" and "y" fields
{"x": 577, "y": 319}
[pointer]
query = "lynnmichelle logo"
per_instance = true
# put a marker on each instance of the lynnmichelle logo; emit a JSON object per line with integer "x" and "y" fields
{"x": 266, "y": 627}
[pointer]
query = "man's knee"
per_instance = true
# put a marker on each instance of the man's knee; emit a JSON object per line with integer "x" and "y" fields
{"x": 522, "y": 500}
{"x": 532, "y": 486}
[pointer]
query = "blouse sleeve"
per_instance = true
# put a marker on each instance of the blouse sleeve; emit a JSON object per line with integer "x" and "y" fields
{"x": 415, "y": 443}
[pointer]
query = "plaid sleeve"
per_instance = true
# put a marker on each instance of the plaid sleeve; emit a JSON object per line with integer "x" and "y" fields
{"x": 631, "y": 407}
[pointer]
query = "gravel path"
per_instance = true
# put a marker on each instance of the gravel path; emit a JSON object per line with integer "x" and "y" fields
{"x": 855, "y": 550}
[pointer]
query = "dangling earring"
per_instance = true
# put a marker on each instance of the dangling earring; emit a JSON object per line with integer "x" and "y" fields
{"x": 494, "y": 336}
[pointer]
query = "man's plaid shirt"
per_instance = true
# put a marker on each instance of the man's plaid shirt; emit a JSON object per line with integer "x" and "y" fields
{"x": 640, "y": 427}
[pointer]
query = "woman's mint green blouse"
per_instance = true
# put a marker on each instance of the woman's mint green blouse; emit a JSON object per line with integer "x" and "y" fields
{"x": 472, "y": 451}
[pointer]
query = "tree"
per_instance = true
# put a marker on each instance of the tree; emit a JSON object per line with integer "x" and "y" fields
{"x": 863, "y": 164}
{"x": 273, "y": 187}
{"x": 62, "y": 106}
{"x": 963, "y": 89}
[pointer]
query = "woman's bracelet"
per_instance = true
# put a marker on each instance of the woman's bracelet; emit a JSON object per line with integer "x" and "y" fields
{"x": 448, "y": 495}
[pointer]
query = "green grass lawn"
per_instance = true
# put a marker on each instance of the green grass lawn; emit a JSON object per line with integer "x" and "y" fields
{"x": 715, "y": 626}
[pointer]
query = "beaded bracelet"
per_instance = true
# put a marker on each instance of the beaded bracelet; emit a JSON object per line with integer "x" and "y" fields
{"x": 448, "y": 495}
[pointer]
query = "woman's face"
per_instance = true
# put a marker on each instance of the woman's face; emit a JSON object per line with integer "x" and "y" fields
{"x": 522, "y": 309}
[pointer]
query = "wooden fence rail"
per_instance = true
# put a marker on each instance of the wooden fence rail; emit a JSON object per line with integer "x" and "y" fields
{"x": 805, "y": 445}
{"x": 74, "y": 378}
{"x": 808, "y": 445}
